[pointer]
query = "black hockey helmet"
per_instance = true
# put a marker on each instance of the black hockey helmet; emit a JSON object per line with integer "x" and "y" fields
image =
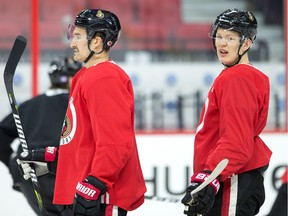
{"x": 102, "y": 21}
{"x": 61, "y": 68}
{"x": 241, "y": 21}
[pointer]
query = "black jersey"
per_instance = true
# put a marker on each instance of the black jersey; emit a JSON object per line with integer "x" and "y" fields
{"x": 42, "y": 118}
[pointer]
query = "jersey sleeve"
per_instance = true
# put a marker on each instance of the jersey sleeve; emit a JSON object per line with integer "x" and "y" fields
{"x": 8, "y": 133}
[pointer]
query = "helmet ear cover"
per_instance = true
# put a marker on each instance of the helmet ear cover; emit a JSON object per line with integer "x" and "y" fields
{"x": 91, "y": 33}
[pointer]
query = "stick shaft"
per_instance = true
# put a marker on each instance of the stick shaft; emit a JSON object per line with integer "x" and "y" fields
{"x": 9, "y": 71}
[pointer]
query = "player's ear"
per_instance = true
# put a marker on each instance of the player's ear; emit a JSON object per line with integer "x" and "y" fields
{"x": 246, "y": 44}
{"x": 96, "y": 42}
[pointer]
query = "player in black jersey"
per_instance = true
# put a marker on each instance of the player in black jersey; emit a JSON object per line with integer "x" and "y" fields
{"x": 42, "y": 120}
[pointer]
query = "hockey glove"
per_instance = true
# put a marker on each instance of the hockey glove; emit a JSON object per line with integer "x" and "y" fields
{"x": 43, "y": 159}
{"x": 87, "y": 198}
{"x": 201, "y": 202}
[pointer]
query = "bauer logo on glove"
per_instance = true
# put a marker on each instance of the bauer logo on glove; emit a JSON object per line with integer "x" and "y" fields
{"x": 202, "y": 201}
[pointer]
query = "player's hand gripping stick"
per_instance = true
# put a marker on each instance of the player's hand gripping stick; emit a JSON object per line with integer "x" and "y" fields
{"x": 43, "y": 159}
{"x": 200, "y": 195}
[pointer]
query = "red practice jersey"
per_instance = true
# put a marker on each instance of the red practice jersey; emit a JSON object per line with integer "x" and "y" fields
{"x": 234, "y": 114}
{"x": 98, "y": 138}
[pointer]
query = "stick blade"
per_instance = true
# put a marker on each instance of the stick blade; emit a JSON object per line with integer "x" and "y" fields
{"x": 216, "y": 172}
{"x": 14, "y": 56}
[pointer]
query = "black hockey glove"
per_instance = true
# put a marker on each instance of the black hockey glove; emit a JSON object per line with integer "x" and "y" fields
{"x": 202, "y": 201}
{"x": 87, "y": 198}
{"x": 43, "y": 159}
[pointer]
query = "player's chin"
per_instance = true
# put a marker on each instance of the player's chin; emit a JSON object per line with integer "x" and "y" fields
{"x": 77, "y": 57}
{"x": 224, "y": 61}
{"x": 222, "y": 57}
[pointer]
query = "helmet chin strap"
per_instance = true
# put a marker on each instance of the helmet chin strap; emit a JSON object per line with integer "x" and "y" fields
{"x": 91, "y": 53}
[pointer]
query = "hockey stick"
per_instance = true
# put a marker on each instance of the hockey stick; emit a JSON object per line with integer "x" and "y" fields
{"x": 163, "y": 199}
{"x": 9, "y": 71}
{"x": 216, "y": 172}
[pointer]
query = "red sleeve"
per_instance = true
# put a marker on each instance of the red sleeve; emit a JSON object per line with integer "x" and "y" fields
{"x": 110, "y": 105}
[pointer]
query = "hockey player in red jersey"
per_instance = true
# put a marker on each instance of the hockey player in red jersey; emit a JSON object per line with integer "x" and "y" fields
{"x": 98, "y": 170}
{"x": 42, "y": 119}
{"x": 232, "y": 118}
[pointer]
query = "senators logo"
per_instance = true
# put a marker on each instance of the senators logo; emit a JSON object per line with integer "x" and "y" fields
{"x": 100, "y": 14}
{"x": 66, "y": 129}
{"x": 69, "y": 125}
{"x": 251, "y": 17}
